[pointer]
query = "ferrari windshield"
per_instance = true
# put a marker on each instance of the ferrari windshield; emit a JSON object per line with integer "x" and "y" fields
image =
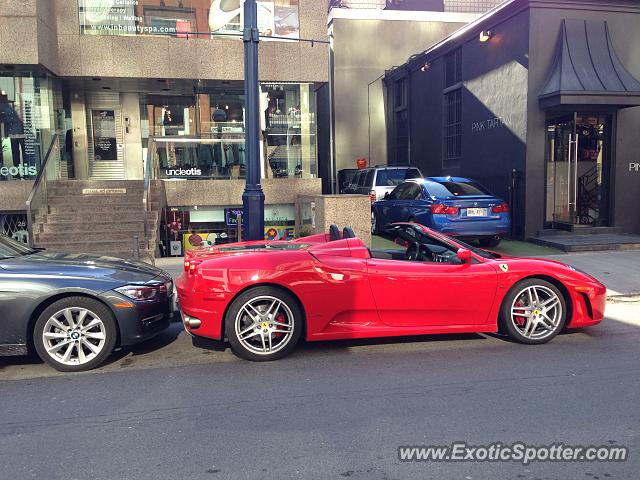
{"x": 9, "y": 248}
{"x": 265, "y": 246}
{"x": 417, "y": 233}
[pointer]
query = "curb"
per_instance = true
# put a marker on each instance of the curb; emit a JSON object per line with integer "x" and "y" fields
{"x": 624, "y": 298}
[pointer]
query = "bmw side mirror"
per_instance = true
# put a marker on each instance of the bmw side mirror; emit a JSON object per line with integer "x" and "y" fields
{"x": 386, "y": 195}
{"x": 464, "y": 255}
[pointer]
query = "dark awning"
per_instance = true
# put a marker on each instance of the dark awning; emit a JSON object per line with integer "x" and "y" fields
{"x": 587, "y": 71}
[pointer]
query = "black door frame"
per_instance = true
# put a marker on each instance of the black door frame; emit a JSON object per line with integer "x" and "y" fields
{"x": 609, "y": 154}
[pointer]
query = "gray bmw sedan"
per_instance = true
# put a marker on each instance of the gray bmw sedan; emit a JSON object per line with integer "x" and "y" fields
{"x": 74, "y": 309}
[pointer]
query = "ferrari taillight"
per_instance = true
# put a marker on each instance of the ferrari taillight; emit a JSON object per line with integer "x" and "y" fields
{"x": 191, "y": 266}
{"x": 502, "y": 208}
{"x": 440, "y": 209}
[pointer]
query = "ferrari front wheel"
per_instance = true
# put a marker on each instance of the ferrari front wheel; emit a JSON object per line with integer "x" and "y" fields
{"x": 263, "y": 323}
{"x": 533, "y": 312}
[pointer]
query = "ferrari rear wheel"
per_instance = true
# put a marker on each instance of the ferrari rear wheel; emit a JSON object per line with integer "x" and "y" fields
{"x": 533, "y": 312}
{"x": 264, "y": 323}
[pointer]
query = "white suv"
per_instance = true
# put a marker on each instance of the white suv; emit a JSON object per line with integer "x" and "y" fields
{"x": 376, "y": 181}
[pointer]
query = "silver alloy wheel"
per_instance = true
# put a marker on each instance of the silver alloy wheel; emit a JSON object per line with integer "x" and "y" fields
{"x": 374, "y": 220}
{"x": 74, "y": 336}
{"x": 536, "y": 312}
{"x": 264, "y": 325}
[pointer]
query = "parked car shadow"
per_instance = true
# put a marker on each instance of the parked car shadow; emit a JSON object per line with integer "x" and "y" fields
{"x": 336, "y": 345}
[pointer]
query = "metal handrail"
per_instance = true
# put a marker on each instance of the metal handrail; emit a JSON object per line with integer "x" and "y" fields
{"x": 146, "y": 204}
{"x": 40, "y": 182}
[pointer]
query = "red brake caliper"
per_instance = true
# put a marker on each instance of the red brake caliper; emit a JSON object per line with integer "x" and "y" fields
{"x": 520, "y": 320}
{"x": 280, "y": 319}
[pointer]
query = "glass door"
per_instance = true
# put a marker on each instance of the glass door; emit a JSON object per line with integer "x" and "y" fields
{"x": 577, "y": 175}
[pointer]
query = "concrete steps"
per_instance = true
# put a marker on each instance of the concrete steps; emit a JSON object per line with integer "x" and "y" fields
{"x": 103, "y": 220}
{"x": 123, "y": 216}
{"x": 595, "y": 241}
{"x": 90, "y": 208}
{"x": 90, "y": 235}
{"x": 99, "y": 225}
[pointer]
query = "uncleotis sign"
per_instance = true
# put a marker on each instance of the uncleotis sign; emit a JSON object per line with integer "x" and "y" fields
{"x": 183, "y": 172}
{"x": 20, "y": 171}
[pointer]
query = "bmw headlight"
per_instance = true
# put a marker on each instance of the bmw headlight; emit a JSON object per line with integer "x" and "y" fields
{"x": 140, "y": 292}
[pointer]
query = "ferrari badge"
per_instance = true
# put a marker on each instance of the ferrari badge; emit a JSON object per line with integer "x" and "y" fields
{"x": 504, "y": 267}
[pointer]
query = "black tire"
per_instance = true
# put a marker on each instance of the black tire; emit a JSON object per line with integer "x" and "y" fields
{"x": 289, "y": 308}
{"x": 489, "y": 241}
{"x": 508, "y": 325}
{"x": 108, "y": 330}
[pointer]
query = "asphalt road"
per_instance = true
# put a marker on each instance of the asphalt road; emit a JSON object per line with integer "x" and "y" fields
{"x": 335, "y": 410}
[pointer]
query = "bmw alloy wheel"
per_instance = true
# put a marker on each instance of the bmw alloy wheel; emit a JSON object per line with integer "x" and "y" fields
{"x": 536, "y": 312}
{"x": 264, "y": 325}
{"x": 74, "y": 336}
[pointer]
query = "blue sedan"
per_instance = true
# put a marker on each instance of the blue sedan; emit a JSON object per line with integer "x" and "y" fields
{"x": 454, "y": 206}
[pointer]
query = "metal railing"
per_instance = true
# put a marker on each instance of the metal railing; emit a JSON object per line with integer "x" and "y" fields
{"x": 150, "y": 173}
{"x": 38, "y": 198}
{"x": 358, "y": 4}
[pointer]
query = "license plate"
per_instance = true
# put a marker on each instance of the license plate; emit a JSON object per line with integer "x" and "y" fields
{"x": 476, "y": 212}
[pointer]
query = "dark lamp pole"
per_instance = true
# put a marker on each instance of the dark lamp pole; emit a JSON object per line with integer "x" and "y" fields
{"x": 253, "y": 196}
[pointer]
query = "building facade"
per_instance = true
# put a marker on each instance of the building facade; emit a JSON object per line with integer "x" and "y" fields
{"x": 108, "y": 78}
{"x": 537, "y": 99}
{"x": 367, "y": 37}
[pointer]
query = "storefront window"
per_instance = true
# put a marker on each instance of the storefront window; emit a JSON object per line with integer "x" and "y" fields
{"x": 14, "y": 225}
{"x": 290, "y": 129}
{"x": 28, "y": 121}
{"x": 208, "y": 135}
{"x": 186, "y": 18}
{"x": 187, "y": 228}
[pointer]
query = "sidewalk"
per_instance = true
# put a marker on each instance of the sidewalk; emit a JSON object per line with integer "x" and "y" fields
{"x": 618, "y": 270}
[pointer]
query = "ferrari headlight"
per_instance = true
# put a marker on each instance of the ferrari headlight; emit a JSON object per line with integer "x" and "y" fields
{"x": 139, "y": 292}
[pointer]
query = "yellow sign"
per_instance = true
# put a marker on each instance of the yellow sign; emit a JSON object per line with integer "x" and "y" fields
{"x": 197, "y": 240}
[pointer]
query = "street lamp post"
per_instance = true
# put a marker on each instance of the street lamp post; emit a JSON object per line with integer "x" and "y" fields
{"x": 253, "y": 196}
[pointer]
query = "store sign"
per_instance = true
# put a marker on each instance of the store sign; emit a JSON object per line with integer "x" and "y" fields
{"x": 276, "y": 18}
{"x": 634, "y": 167}
{"x": 21, "y": 171}
{"x": 176, "y": 248}
{"x": 104, "y": 191}
{"x": 105, "y": 144}
{"x": 279, "y": 232}
{"x": 199, "y": 240}
{"x": 231, "y": 216}
{"x": 489, "y": 124}
{"x": 182, "y": 172}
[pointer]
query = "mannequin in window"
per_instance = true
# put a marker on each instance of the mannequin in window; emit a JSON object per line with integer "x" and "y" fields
{"x": 13, "y": 128}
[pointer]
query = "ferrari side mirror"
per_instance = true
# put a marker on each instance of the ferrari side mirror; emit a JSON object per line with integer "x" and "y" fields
{"x": 464, "y": 255}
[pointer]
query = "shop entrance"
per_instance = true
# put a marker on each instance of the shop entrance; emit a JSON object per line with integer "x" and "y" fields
{"x": 578, "y": 159}
{"x": 105, "y": 137}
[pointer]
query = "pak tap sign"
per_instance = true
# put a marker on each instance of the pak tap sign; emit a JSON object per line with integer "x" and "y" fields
{"x": 634, "y": 167}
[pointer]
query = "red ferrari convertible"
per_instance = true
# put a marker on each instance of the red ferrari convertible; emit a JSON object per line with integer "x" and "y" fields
{"x": 263, "y": 296}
